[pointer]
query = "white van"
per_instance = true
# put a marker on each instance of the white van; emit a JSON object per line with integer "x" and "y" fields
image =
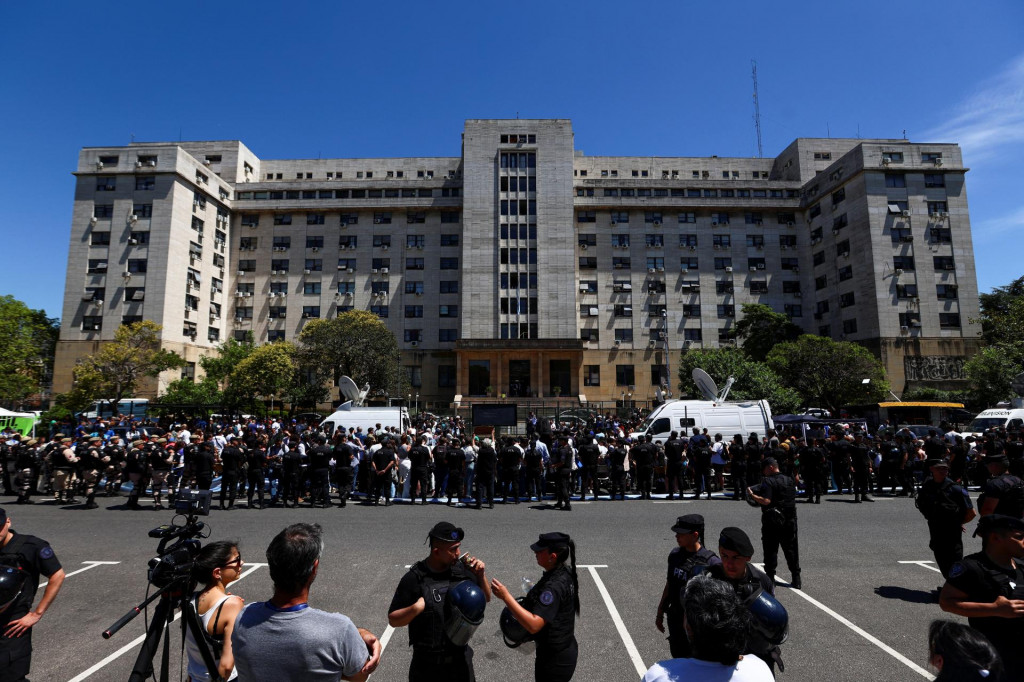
{"x": 727, "y": 419}
{"x": 349, "y": 417}
{"x": 1010, "y": 419}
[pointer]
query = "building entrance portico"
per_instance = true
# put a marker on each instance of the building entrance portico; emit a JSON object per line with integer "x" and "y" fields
{"x": 518, "y": 368}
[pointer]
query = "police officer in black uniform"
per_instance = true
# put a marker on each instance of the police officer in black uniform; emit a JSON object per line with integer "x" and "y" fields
{"x": 860, "y": 458}
{"x": 561, "y": 466}
{"x": 550, "y": 608}
{"x": 256, "y": 473}
{"x": 988, "y": 589}
{"x": 419, "y": 602}
{"x": 511, "y": 464}
{"x": 947, "y": 507}
{"x": 641, "y": 460}
{"x": 1004, "y": 492}
{"x": 777, "y": 497}
{"x": 533, "y": 464}
{"x": 617, "y": 469}
{"x": 419, "y": 469}
{"x": 320, "y": 472}
{"x": 26, "y": 465}
{"x": 34, "y": 556}
{"x": 1014, "y": 449}
{"x": 813, "y": 469}
{"x": 231, "y": 458}
{"x": 291, "y": 477}
{"x": 486, "y": 466}
{"x": 752, "y": 449}
{"x": 135, "y": 470}
{"x": 456, "y": 471}
{"x": 202, "y": 465}
{"x": 841, "y": 460}
{"x": 894, "y": 457}
{"x": 735, "y": 551}
{"x": 114, "y": 455}
{"x": 589, "y": 454}
{"x": 344, "y": 458}
{"x": 674, "y": 480}
{"x": 684, "y": 562}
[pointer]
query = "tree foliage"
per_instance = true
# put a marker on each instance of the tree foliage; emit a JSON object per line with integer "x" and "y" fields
{"x": 754, "y": 380}
{"x": 830, "y": 374}
{"x": 991, "y": 371}
{"x": 115, "y": 371}
{"x": 1002, "y": 314}
{"x": 219, "y": 365}
{"x": 761, "y": 328}
{"x": 188, "y": 396}
{"x": 28, "y": 339}
{"x": 355, "y": 344}
{"x": 266, "y": 372}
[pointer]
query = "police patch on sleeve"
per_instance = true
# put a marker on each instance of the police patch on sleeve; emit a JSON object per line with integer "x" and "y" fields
{"x": 957, "y": 570}
{"x": 546, "y": 597}
{"x": 46, "y": 553}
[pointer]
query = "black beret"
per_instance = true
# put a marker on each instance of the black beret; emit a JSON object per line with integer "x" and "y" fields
{"x": 735, "y": 540}
{"x": 689, "y": 523}
{"x": 447, "y": 532}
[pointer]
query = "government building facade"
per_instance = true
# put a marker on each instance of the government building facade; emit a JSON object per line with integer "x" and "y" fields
{"x": 524, "y": 267}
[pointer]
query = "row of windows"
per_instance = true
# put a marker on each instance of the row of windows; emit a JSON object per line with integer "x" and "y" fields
{"x": 657, "y": 263}
{"x": 658, "y": 217}
{"x": 360, "y": 175}
{"x": 673, "y": 174}
{"x": 277, "y": 312}
{"x": 280, "y": 266}
{"x": 284, "y": 242}
{"x": 386, "y": 193}
{"x": 684, "y": 193}
{"x": 657, "y": 241}
{"x": 379, "y": 218}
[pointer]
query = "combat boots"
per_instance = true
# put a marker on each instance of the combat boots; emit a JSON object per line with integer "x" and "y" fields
{"x": 90, "y": 502}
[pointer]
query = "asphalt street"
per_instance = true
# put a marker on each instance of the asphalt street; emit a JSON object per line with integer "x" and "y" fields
{"x": 863, "y": 612}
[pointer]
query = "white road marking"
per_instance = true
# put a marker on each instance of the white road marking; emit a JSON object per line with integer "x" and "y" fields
{"x": 923, "y": 564}
{"x": 860, "y": 631}
{"x": 140, "y": 639}
{"x": 634, "y": 655}
{"x": 672, "y": 502}
{"x": 92, "y": 564}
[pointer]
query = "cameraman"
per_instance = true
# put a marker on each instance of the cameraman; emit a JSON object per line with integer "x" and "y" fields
{"x": 35, "y": 557}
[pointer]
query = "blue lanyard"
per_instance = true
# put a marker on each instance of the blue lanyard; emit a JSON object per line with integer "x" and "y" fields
{"x": 297, "y": 607}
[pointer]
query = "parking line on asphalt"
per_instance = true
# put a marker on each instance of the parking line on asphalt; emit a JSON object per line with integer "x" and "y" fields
{"x": 860, "y": 631}
{"x": 92, "y": 564}
{"x": 634, "y": 655}
{"x": 923, "y": 564}
{"x": 141, "y": 638}
{"x": 671, "y": 502}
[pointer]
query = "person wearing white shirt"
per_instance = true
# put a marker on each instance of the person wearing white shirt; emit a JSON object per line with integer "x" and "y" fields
{"x": 716, "y": 624}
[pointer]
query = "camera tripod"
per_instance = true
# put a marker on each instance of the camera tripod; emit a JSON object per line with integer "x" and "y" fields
{"x": 174, "y": 595}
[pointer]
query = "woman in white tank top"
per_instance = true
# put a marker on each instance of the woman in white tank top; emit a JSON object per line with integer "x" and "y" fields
{"x": 218, "y": 565}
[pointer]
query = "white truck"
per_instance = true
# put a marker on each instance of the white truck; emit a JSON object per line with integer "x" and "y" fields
{"x": 1008, "y": 418}
{"x": 349, "y": 416}
{"x": 726, "y": 418}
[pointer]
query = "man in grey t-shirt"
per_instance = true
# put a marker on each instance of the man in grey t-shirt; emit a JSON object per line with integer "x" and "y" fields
{"x": 285, "y": 639}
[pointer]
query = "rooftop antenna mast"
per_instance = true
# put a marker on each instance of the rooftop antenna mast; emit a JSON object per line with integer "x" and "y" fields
{"x": 757, "y": 110}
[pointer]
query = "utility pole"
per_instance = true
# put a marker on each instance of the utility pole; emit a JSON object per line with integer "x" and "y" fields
{"x": 757, "y": 109}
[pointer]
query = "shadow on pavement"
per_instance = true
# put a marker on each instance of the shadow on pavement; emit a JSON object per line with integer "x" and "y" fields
{"x": 905, "y": 594}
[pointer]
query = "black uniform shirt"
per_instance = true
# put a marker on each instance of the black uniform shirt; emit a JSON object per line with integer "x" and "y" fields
{"x": 320, "y": 457}
{"x": 343, "y": 455}
{"x": 419, "y": 457}
{"x": 456, "y": 460}
{"x": 230, "y": 459}
{"x": 617, "y": 457}
{"x": 681, "y": 567}
{"x": 982, "y": 580}
{"x": 643, "y": 455}
{"x": 1009, "y": 490}
{"x": 674, "y": 450}
{"x": 589, "y": 452}
{"x": 780, "y": 490}
{"x": 383, "y": 457}
{"x": 36, "y": 558}
{"x": 411, "y": 588}
{"x": 202, "y": 464}
{"x": 552, "y": 598}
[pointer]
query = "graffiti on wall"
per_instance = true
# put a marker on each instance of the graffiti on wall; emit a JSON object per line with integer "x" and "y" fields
{"x": 934, "y": 368}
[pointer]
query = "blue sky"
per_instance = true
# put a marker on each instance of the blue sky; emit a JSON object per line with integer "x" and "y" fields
{"x": 342, "y": 79}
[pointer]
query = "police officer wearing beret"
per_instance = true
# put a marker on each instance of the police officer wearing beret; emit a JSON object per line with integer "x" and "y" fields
{"x": 419, "y": 602}
{"x": 988, "y": 589}
{"x": 736, "y": 551}
{"x": 550, "y": 608}
{"x": 777, "y": 496}
{"x": 34, "y": 556}
{"x": 1003, "y": 493}
{"x": 946, "y": 506}
{"x": 684, "y": 562}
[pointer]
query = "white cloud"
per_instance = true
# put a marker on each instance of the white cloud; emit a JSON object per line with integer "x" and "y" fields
{"x": 991, "y": 228}
{"x": 990, "y": 119}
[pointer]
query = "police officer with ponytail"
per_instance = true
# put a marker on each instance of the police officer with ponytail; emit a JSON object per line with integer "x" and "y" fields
{"x": 442, "y": 600}
{"x": 548, "y": 613}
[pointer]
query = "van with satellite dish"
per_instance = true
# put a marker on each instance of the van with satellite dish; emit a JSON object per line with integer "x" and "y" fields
{"x": 1009, "y": 419}
{"x": 714, "y": 414}
{"x": 352, "y": 413}
{"x": 726, "y": 418}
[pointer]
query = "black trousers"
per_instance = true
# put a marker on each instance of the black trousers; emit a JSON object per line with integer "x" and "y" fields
{"x": 15, "y": 657}
{"x": 228, "y": 487}
{"x": 678, "y": 643}
{"x": 674, "y": 482}
{"x": 455, "y": 666}
{"x": 484, "y": 486}
{"x": 420, "y": 475}
{"x": 320, "y": 486}
{"x": 739, "y": 480}
{"x": 589, "y": 480}
{"x": 256, "y": 485}
{"x": 556, "y": 665}
{"x": 343, "y": 478}
{"x": 617, "y": 477}
{"x": 381, "y": 486}
{"x": 562, "y": 486}
{"x": 784, "y": 535}
{"x": 861, "y": 482}
{"x": 510, "y": 486}
{"x": 290, "y": 488}
{"x": 535, "y": 483}
{"x": 454, "y": 485}
{"x": 946, "y": 543}
{"x": 204, "y": 481}
{"x": 644, "y": 476}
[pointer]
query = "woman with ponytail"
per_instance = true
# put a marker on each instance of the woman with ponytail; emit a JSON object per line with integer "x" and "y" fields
{"x": 962, "y": 654}
{"x": 549, "y": 610}
{"x": 218, "y": 565}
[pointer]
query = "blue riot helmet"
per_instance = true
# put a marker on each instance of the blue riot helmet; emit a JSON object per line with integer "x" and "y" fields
{"x": 463, "y": 611}
{"x": 12, "y": 582}
{"x": 512, "y": 631}
{"x": 770, "y": 618}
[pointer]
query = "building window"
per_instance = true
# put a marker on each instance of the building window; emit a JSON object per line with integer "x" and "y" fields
{"x": 838, "y": 196}
{"x": 934, "y": 180}
{"x": 726, "y": 311}
{"x": 315, "y": 242}
{"x": 850, "y": 326}
{"x": 379, "y": 310}
{"x": 944, "y": 263}
{"x": 275, "y": 335}
{"x": 413, "y": 335}
{"x": 793, "y": 310}
{"x": 949, "y": 320}
{"x": 687, "y": 217}
{"x": 897, "y": 180}
{"x": 892, "y": 157}
{"x": 137, "y": 265}
{"x": 447, "y": 310}
{"x": 624, "y": 335}
{"x": 449, "y": 240}
{"x": 449, "y": 286}
{"x": 589, "y": 335}
{"x": 92, "y": 323}
{"x": 846, "y": 300}
{"x": 447, "y": 335}
{"x": 845, "y": 273}
{"x": 446, "y": 377}
{"x": 414, "y": 311}
{"x": 282, "y": 218}
{"x": 723, "y": 263}
{"x": 592, "y": 375}
{"x": 99, "y": 239}
{"x": 311, "y": 288}
{"x": 588, "y": 263}
{"x": 451, "y": 263}
{"x": 624, "y": 375}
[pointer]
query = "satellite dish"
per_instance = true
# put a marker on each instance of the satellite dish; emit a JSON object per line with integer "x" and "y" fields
{"x": 349, "y": 390}
{"x": 705, "y": 384}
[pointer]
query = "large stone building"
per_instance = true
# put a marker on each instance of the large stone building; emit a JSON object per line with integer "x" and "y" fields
{"x": 524, "y": 266}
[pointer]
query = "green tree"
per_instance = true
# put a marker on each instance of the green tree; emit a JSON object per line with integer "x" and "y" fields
{"x": 761, "y": 328}
{"x": 991, "y": 371}
{"x": 355, "y": 344}
{"x": 186, "y": 395}
{"x": 266, "y": 372}
{"x": 28, "y": 339}
{"x": 754, "y": 380}
{"x": 219, "y": 365}
{"x": 829, "y": 374}
{"x": 114, "y": 372}
{"x": 1002, "y": 314}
